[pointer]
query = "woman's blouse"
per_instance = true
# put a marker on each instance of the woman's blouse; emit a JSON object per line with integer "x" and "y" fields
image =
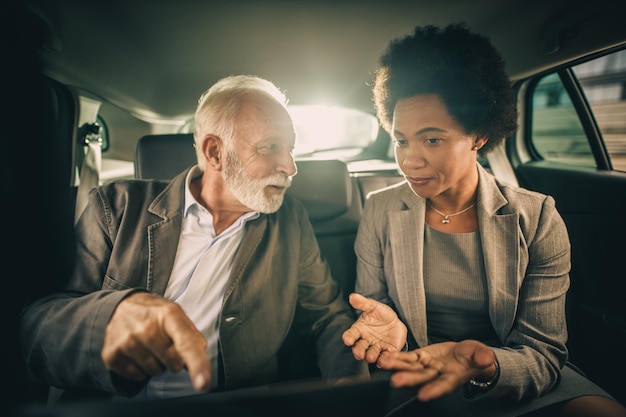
{"x": 457, "y": 305}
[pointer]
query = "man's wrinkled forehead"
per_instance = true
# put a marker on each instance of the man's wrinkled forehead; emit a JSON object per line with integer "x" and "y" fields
{"x": 276, "y": 117}
{"x": 268, "y": 128}
{"x": 265, "y": 123}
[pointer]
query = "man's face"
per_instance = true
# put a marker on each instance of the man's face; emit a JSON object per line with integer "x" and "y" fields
{"x": 258, "y": 167}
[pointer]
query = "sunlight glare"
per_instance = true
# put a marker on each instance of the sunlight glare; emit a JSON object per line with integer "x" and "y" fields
{"x": 320, "y": 127}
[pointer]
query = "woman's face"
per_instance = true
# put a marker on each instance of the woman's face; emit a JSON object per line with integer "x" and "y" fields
{"x": 432, "y": 149}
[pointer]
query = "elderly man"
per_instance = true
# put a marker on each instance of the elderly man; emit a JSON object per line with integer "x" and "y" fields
{"x": 192, "y": 285}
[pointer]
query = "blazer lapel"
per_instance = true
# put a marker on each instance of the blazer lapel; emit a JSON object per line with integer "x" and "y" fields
{"x": 164, "y": 235}
{"x": 254, "y": 232}
{"x": 499, "y": 234}
{"x": 406, "y": 229}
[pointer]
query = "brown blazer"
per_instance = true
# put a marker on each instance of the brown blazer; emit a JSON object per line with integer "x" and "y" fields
{"x": 127, "y": 239}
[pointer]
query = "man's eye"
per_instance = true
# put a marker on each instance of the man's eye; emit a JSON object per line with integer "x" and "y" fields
{"x": 268, "y": 149}
{"x": 432, "y": 141}
{"x": 400, "y": 142}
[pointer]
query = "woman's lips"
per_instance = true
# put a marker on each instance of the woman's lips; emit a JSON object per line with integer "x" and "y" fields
{"x": 418, "y": 181}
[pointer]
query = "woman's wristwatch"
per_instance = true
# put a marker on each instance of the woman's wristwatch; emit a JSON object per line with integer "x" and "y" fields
{"x": 484, "y": 385}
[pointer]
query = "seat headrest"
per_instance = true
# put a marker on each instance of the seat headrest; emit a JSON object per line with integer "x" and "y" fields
{"x": 323, "y": 186}
{"x": 164, "y": 156}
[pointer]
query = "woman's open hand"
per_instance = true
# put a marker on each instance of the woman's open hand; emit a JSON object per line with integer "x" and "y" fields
{"x": 377, "y": 330}
{"x": 440, "y": 368}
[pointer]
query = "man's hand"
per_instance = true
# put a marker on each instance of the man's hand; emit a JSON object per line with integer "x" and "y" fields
{"x": 148, "y": 334}
{"x": 440, "y": 368}
{"x": 378, "y": 329}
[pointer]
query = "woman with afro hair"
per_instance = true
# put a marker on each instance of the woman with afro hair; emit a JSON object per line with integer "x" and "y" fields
{"x": 476, "y": 268}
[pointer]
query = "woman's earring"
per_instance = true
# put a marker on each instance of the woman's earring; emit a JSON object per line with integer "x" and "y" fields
{"x": 474, "y": 148}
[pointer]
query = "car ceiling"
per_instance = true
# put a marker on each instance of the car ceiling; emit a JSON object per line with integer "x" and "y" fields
{"x": 154, "y": 58}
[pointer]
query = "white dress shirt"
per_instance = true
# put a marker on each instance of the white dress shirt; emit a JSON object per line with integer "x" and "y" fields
{"x": 197, "y": 283}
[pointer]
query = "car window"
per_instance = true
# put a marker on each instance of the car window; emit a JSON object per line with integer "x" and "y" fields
{"x": 557, "y": 132}
{"x": 604, "y": 84}
{"x": 330, "y": 128}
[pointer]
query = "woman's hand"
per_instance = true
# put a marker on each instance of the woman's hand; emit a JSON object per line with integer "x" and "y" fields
{"x": 377, "y": 330}
{"x": 441, "y": 367}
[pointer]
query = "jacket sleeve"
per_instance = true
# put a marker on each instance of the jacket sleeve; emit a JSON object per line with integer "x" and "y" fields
{"x": 321, "y": 305}
{"x": 62, "y": 333}
{"x": 534, "y": 351}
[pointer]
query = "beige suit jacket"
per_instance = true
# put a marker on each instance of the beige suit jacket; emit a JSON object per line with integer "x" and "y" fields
{"x": 527, "y": 262}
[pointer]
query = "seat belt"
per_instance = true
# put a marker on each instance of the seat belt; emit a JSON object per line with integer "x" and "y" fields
{"x": 501, "y": 166}
{"x": 88, "y": 153}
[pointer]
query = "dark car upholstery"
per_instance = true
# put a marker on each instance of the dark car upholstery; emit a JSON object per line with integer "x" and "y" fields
{"x": 163, "y": 156}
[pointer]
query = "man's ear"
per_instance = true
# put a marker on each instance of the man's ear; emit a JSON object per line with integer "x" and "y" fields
{"x": 212, "y": 149}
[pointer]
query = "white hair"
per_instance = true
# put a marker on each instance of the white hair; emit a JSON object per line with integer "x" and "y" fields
{"x": 218, "y": 108}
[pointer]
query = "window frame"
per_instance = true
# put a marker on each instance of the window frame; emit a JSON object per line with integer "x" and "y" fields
{"x": 526, "y": 89}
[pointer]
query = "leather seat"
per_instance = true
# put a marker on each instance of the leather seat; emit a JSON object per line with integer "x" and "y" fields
{"x": 163, "y": 156}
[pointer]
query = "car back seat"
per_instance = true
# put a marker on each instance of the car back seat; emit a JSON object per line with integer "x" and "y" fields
{"x": 374, "y": 181}
{"x": 163, "y": 156}
{"x": 332, "y": 199}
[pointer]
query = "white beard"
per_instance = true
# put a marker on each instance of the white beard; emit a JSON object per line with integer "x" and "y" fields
{"x": 251, "y": 192}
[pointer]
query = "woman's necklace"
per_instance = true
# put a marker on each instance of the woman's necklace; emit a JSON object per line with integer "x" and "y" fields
{"x": 446, "y": 217}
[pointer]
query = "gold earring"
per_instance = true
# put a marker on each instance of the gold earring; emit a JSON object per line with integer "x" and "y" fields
{"x": 474, "y": 148}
